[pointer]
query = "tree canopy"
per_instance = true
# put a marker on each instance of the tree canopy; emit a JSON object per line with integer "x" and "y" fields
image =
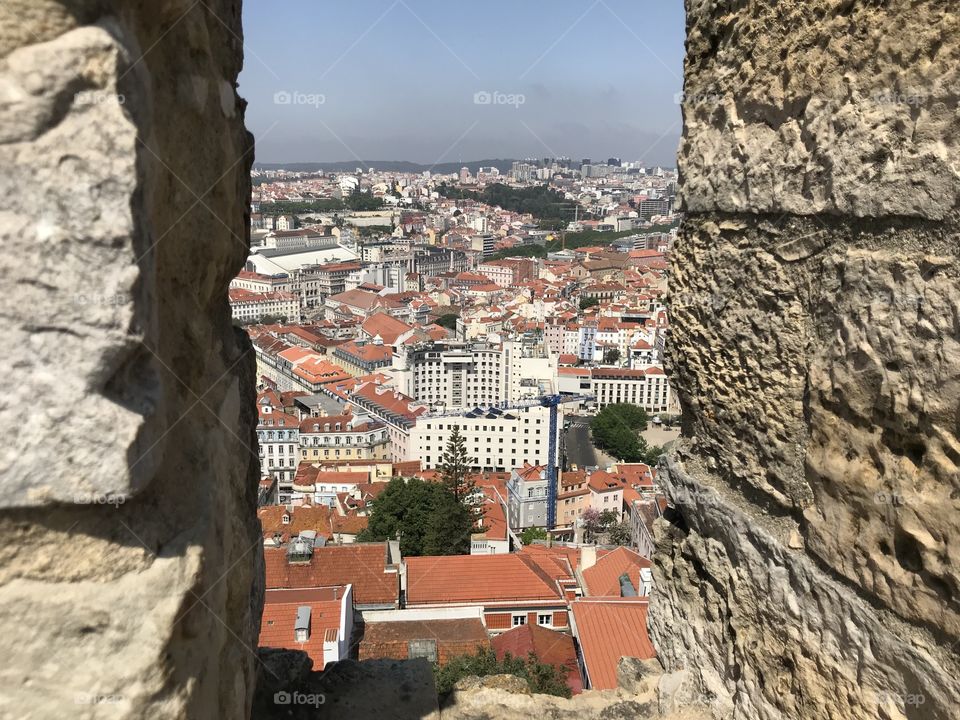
{"x": 616, "y": 430}
{"x": 448, "y": 320}
{"x": 424, "y": 515}
{"x": 430, "y": 518}
{"x": 455, "y": 466}
{"x": 549, "y": 206}
{"x": 533, "y": 533}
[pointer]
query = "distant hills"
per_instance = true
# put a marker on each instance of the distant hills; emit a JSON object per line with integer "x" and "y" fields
{"x": 403, "y": 166}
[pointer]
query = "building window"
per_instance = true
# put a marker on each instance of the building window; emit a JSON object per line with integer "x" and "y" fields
{"x": 519, "y": 620}
{"x": 545, "y": 619}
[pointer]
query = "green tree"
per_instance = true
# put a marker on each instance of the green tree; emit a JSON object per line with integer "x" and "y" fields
{"x": 611, "y": 356}
{"x": 531, "y": 534}
{"x": 425, "y": 517}
{"x": 448, "y": 320}
{"x": 608, "y": 518}
{"x": 403, "y": 510}
{"x": 448, "y": 527}
{"x": 620, "y": 533}
{"x": 616, "y": 430}
{"x": 540, "y": 677}
{"x": 455, "y": 466}
{"x": 586, "y": 303}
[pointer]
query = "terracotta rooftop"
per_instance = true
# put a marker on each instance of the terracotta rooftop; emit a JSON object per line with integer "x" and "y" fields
{"x": 363, "y": 565}
{"x": 550, "y": 647}
{"x": 603, "y": 578}
{"x": 455, "y": 630}
{"x": 386, "y": 326}
{"x": 609, "y": 630}
{"x": 476, "y": 579}
{"x": 280, "y": 615}
{"x": 300, "y": 518}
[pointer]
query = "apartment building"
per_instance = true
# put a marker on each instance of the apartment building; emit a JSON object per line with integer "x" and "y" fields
{"x": 294, "y": 367}
{"x": 512, "y": 589}
{"x": 279, "y": 438}
{"x": 451, "y": 374}
{"x": 397, "y": 411}
{"x": 359, "y": 359}
{"x": 249, "y": 306}
{"x": 498, "y": 440}
{"x": 649, "y": 388}
{"x": 348, "y": 437}
{"x": 527, "y": 497}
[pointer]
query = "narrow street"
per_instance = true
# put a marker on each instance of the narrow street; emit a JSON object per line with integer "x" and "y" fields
{"x": 580, "y": 451}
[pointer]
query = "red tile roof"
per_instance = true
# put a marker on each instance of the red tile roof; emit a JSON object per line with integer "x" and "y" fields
{"x": 301, "y": 517}
{"x": 460, "y": 636}
{"x": 386, "y": 326}
{"x": 362, "y": 565}
{"x": 609, "y": 630}
{"x": 550, "y": 647}
{"x": 603, "y": 578}
{"x": 280, "y": 615}
{"x": 476, "y": 579}
{"x": 602, "y": 481}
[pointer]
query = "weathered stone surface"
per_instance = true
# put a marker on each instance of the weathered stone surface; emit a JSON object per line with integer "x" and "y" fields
{"x": 822, "y": 106}
{"x": 637, "y": 676}
{"x": 811, "y": 569}
{"x": 766, "y": 631}
{"x": 77, "y": 273}
{"x": 507, "y": 683}
{"x": 130, "y": 570}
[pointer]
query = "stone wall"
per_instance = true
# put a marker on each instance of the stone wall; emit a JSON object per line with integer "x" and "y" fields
{"x": 812, "y": 568}
{"x": 129, "y": 547}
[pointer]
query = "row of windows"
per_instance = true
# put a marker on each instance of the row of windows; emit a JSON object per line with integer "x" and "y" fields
{"x": 277, "y": 435}
{"x": 476, "y": 447}
{"x": 305, "y": 441}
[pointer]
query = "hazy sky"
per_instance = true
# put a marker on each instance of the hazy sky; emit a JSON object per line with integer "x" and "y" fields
{"x": 330, "y": 80}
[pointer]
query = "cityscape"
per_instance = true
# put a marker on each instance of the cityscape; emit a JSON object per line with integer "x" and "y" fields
{"x": 460, "y": 376}
{"x": 430, "y": 360}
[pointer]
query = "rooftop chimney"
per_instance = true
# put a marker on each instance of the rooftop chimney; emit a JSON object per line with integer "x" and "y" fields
{"x": 646, "y": 581}
{"x": 588, "y": 557}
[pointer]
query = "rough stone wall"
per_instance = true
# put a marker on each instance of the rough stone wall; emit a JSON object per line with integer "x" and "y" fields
{"x": 812, "y": 570}
{"x": 129, "y": 547}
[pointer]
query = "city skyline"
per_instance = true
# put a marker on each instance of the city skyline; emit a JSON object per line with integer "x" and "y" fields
{"x": 421, "y": 81}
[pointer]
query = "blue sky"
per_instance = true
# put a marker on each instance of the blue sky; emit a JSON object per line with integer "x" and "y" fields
{"x": 415, "y": 80}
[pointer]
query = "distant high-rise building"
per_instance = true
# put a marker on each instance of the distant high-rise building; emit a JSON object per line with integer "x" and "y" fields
{"x": 614, "y": 161}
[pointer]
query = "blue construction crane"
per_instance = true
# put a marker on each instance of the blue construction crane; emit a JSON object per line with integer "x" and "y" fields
{"x": 552, "y": 402}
